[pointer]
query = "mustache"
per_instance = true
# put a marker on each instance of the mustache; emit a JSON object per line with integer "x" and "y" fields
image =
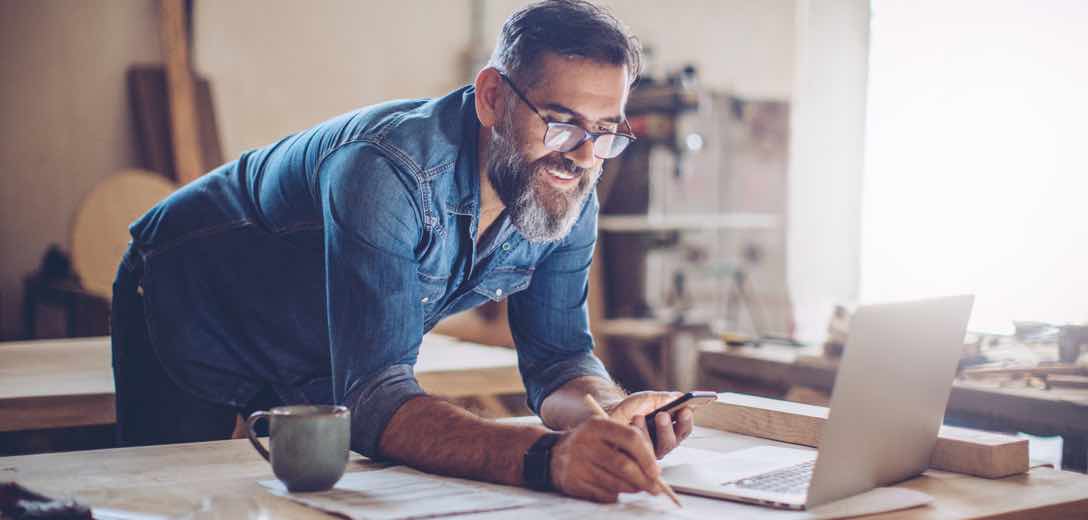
{"x": 558, "y": 162}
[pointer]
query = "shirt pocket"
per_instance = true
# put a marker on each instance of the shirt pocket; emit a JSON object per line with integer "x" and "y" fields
{"x": 503, "y": 282}
{"x": 432, "y": 289}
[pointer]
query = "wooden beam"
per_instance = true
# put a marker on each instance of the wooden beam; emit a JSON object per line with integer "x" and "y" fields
{"x": 961, "y": 450}
{"x": 184, "y": 129}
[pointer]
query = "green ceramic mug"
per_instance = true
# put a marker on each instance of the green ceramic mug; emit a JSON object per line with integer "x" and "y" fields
{"x": 308, "y": 444}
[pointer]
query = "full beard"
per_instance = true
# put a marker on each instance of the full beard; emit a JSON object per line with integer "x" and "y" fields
{"x": 538, "y": 210}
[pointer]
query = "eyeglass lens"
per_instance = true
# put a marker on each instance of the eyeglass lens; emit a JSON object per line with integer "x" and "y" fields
{"x": 564, "y": 138}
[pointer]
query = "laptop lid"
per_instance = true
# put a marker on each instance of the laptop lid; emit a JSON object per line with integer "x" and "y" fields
{"x": 890, "y": 395}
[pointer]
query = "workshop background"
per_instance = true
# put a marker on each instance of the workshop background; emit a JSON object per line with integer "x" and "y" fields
{"x": 799, "y": 157}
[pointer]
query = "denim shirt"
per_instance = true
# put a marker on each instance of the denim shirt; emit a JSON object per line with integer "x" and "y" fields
{"x": 316, "y": 264}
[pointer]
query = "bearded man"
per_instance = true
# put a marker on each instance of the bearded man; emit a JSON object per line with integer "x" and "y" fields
{"x": 307, "y": 271}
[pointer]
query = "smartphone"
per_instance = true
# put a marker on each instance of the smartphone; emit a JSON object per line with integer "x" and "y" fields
{"x": 688, "y": 400}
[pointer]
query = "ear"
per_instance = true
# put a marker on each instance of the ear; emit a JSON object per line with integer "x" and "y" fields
{"x": 489, "y": 97}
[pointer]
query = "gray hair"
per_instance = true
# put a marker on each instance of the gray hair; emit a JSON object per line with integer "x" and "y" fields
{"x": 567, "y": 28}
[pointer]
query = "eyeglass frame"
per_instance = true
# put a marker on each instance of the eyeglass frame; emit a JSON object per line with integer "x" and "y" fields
{"x": 589, "y": 136}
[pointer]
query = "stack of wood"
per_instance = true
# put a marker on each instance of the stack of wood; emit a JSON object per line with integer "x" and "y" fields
{"x": 1044, "y": 375}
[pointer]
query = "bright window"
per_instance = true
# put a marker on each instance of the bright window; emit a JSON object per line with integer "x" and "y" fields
{"x": 976, "y": 175}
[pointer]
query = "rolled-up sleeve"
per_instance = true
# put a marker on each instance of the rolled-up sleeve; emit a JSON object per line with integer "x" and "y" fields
{"x": 372, "y": 223}
{"x": 550, "y": 320}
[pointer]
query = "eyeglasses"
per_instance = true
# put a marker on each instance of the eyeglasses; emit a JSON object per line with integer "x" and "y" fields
{"x": 564, "y": 137}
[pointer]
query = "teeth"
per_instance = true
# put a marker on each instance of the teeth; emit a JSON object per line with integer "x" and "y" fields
{"x": 562, "y": 175}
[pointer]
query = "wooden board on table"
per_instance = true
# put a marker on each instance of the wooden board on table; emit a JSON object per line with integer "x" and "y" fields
{"x": 453, "y": 368}
{"x": 69, "y": 383}
{"x": 55, "y": 383}
{"x": 961, "y": 450}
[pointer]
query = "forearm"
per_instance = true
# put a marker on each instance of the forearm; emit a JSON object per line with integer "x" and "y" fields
{"x": 565, "y": 408}
{"x": 439, "y": 437}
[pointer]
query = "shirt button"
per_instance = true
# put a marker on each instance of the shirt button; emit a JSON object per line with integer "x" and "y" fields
{"x": 506, "y": 246}
{"x": 498, "y": 292}
{"x": 425, "y": 299}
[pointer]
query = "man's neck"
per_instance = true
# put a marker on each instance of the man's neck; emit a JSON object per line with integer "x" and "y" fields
{"x": 491, "y": 205}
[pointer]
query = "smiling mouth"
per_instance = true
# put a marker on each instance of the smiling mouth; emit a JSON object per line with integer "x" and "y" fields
{"x": 562, "y": 175}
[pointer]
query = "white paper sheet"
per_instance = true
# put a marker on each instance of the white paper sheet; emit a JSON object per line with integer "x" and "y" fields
{"x": 400, "y": 493}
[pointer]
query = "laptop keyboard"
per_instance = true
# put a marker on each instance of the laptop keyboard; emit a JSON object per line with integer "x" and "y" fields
{"x": 792, "y": 480}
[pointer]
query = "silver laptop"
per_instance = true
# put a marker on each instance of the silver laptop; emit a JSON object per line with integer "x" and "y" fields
{"x": 887, "y": 405}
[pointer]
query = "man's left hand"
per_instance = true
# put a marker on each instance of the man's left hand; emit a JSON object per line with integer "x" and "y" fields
{"x": 634, "y": 408}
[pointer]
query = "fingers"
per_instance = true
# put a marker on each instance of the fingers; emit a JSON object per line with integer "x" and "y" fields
{"x": 654, "y": 399}
{"x": 598, "y": 493}
{"x": 622, "y": 466}
{"x": 639, "y": 422}
{"x": 685, "y": 423}
{"x": 631, "y": 442}
{"x": 641, "y": 403}
{"x": 601, "y": 458}
{"x": 611, "y": 479}
{"x": 666, "y": 436}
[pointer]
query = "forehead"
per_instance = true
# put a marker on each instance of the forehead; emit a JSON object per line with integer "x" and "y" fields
{"x": 596, "y": 91}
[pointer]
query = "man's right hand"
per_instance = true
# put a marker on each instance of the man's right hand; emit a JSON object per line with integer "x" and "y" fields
{"x": 600, "y": 458}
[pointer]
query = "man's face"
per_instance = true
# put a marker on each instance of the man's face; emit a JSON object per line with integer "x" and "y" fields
{"x": 543, "y": 189}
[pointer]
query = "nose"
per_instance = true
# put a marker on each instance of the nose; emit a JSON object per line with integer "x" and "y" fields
{"x": 583, "y": 155}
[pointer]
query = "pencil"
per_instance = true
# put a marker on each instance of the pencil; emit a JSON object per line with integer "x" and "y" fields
{"x": 599, "y": 412}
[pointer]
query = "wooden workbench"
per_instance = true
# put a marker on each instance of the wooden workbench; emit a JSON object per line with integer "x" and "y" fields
{"x": 177, "y": 479}
{"x": 771, "y": 370}
{"x": 69, "y": 383}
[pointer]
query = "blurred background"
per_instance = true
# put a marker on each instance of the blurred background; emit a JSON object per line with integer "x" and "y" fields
{"x": 796, "y": 158}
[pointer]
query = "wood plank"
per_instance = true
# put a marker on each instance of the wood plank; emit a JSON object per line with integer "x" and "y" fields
{"x": 1041, "y": 371}
{"x": 472, "y": 382}
{"x": 979, "y": 453}
{"x": 150, "y": 103}
{"x": 37, "y": 413}
{"x": 151, "y": 112}
{"x": 69, "y": 382}
{"x": 184, "y": 130}
{"x": 960, "y": 450}
{"x": 211, "y": 150}
{"x": 1067, "y": 381}
{"x": 773, "y": 419}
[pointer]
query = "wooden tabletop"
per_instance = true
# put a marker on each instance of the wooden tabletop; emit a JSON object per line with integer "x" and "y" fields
{"x": 69, "y": 382}
{"x": 177, "y": 479}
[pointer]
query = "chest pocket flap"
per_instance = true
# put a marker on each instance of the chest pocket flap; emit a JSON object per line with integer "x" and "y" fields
{"x": 433, "y": 289}
{"x": 504, "y": 282}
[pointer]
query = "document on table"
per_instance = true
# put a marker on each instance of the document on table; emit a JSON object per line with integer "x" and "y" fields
{"x": 556, "y": 507}
{"x": 400, "y": 493}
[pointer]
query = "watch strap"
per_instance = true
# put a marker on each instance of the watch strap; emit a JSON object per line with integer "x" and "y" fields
{"x": 536, "y": 467}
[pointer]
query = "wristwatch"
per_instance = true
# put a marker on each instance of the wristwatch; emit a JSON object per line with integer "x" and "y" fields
{"x": 537, "y": 464}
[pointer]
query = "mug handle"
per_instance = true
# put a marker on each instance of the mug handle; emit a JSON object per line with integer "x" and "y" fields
{"x": 252, "y": 434}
